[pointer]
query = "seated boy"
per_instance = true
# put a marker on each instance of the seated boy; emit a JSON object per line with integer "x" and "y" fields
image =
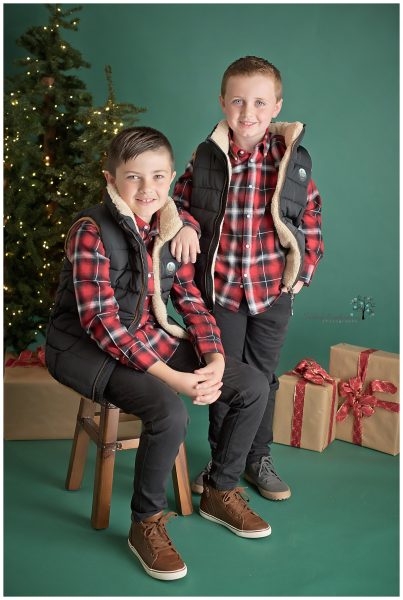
{"x": 110, "y": 338}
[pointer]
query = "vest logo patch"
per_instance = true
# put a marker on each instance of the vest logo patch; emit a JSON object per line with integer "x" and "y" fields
{"x": 170, "y": 268}
{"x": 302, "y": 174}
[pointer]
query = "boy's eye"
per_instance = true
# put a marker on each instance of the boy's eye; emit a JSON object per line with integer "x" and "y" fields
{"x": 132, "y": 177}
{"x": 159, "y": 177}
{"x": 237, "y": 101}
{"x": 260, "y": 103}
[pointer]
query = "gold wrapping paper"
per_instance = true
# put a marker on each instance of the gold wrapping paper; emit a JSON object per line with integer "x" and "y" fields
{"x": 316, "y": 416}
{"x": 381, "y": 430}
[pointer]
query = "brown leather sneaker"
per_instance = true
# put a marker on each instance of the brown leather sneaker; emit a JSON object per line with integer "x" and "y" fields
{"x": 229, "y": 508}
{"x": 150, "y": 542}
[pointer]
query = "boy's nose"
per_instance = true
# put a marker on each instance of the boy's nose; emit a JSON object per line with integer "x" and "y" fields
{"x": 247, "y": 110}
{"x": 145, "y": 187}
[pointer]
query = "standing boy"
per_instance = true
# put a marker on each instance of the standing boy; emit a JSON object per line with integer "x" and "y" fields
{"x": 111, "y": 339}
{"x": 249, "y": 186}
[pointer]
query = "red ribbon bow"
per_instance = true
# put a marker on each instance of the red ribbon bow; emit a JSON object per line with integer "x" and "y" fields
{"x": 362, "y": 402}
{"x": 308, "y": 371}
{"x": 28, "y": 358}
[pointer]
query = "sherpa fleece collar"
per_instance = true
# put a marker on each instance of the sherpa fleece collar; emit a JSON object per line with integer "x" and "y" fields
{"x": 169, "y": 220}
{"x": 290, "y": 131}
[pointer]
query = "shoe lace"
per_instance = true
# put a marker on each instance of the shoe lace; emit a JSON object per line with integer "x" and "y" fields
{"x": 157, "y": 534}
{"x": 237, "y": 499}
{"x": 266, "y": 469}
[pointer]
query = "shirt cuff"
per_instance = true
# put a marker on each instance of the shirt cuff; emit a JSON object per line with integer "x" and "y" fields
{"x": 189, "y": 221}
{"x": 307, "y": 273}
{"x": 209, "y": 346}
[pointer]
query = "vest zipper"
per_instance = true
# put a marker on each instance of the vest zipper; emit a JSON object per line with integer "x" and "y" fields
{"x": 219, "y": 216}
{"x": 291, "y": 292}
{"x": 142, "y": 295}
{"x": 145, "y": 273}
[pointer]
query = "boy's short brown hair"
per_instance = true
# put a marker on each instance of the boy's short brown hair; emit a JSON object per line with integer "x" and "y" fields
{"x": 250, "y": 65}
{"x": 132, "y": 142}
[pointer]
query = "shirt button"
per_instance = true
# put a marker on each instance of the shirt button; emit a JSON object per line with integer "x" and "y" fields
{"x": 149, "y": 275}
{"x": 245, "y": 274}
{"x": 252, "y": 160}
{"x": 248, "y": 216}
{"x": 250, "y": 186}
{"x": 247, "y": 245}
{"x": 241, "y": 286}
{"x": 241, "y": 152}
{"x": 146, "y": 227}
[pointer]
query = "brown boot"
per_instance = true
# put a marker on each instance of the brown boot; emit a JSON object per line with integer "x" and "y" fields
{"x": 151, "y": 544}
{"x": 229, "y": 508}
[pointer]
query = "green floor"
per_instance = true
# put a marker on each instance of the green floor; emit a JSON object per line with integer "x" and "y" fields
{"x": 336, "y": 536}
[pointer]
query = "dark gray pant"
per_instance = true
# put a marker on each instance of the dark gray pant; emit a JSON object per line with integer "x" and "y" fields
{"x": 165, "y": 419}
{"x": 256, "y": 340}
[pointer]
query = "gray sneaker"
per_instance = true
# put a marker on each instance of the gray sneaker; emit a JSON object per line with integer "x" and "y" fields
{"x": 263, "y": 475}
{"x": 197, "y": 484}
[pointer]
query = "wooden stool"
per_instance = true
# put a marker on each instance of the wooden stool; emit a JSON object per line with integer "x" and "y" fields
{"x": 102, "y": 428}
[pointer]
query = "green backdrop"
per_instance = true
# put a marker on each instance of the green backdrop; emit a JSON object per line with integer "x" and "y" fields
{"x": 340, "y": 69}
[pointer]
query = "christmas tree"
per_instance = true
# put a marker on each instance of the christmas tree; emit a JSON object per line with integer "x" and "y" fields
{"x": 54, "y": 143}
{"x": 98, "y": 126}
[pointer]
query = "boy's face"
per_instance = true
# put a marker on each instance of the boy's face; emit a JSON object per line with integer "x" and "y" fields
{"x": 249, "y": 105}
{"x": 143, "y": 182}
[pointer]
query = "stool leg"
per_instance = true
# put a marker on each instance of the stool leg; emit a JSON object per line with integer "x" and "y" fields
{"x": 108, "y": 430}
{"x": 180, "y": 476}
{"x": 79, "y": 449}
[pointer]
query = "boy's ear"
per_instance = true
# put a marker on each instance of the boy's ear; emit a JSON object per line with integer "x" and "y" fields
{"x": 109, "y": 177}
{"x": 173, "y": 176}
{"x": 278, "y": 106}
{"x": 222, "y": 103}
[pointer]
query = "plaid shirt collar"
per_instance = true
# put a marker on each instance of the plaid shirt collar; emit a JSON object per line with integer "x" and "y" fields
{"x": 261, "y": 148}
{"x": 148, "y": 230}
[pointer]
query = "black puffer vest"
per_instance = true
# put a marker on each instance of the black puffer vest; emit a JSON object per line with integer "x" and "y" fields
{"x": 72, "y": 357}
{"x": 210, "y": 181}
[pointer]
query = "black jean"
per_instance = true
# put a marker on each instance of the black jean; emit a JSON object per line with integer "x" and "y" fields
{"x": 256, "y": 340}
{"x": 165, "y": 419}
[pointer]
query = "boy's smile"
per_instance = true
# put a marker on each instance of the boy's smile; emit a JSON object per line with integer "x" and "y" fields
{"x": 249, "y": 105}
{"x": 143, "y": 182}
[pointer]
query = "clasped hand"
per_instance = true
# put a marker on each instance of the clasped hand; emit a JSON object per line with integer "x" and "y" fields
{"x": 203, "y": 385}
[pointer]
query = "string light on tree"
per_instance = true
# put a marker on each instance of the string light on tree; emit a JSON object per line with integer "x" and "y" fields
{"x": 55, "y": 173}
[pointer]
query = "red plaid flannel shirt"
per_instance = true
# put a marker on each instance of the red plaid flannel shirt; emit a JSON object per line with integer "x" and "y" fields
{"x": 250, "y": 259}
{"x": 98, "y": 308}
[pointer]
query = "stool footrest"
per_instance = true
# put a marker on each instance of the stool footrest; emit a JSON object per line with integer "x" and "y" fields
{"x": 90, "y": 427}
{"x": 127, "y": 444}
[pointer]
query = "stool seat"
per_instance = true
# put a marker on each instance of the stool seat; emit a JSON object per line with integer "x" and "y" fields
{"x": 102, "y": 428}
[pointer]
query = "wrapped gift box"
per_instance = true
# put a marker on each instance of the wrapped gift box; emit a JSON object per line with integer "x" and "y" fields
{"x": 375, "y": 425}
{"x": 318, "y": 426}
{"x": 37, "y": 407}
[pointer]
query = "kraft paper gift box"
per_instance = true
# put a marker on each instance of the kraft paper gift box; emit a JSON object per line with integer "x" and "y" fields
{"x": 309, "y": 421}
{"x": 37, "y": 407}
{"x": 369, "y": 403}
